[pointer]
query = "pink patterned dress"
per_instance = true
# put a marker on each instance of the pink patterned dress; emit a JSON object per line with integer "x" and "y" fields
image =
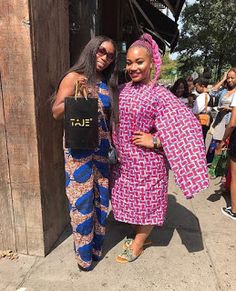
{"x": 139, "y": 187}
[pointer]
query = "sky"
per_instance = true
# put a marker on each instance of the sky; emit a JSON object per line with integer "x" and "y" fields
{"x": 190, "y": 1}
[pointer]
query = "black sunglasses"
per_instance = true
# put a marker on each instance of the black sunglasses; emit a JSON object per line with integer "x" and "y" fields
{"x": 102, "y": 52}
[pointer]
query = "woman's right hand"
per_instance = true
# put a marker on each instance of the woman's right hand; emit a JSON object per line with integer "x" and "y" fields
{"x": 225, "y": 76}
{"x": 223, "y": 108}
{"x": 82, "y": 80}
{"x": 220, "y": 147}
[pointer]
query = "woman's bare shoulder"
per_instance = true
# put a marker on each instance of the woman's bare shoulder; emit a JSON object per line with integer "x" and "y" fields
{"x": 70, "y": 79}
{"x": 73, "y": 76}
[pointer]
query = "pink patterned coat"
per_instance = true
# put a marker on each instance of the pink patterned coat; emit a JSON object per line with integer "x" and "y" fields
{"x": 139, "y": 188}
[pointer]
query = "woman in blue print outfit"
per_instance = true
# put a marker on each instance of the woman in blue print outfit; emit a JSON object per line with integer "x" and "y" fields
{"x": 87, "y": 171}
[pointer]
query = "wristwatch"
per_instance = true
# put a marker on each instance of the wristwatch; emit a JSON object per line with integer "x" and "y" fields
{"x": 154, "y": 140}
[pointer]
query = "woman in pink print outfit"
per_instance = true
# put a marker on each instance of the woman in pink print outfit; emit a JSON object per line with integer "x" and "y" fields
{"x": 154, "y": 126}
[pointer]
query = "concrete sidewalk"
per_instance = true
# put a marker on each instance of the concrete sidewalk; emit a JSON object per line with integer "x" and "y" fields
{"x": 195, "y": 250}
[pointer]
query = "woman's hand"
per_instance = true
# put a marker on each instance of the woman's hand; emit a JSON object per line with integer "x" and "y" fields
{"x": 225, "y": 76}
{"x": 224, "y": 108}
{"x": 82, "y": 85}
{"x": 221, "y": 145}
{"x": 144, "y": 139}
{"x": 82, "y": 80}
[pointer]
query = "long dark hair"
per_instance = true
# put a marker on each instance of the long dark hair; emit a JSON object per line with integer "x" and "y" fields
{"x": 173, "y": 89}
{"x": 86, "y": 65}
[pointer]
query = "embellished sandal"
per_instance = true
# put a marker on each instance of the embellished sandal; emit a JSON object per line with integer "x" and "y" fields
{"x": 127, "y": 256}
{"x": 128, "y": 242}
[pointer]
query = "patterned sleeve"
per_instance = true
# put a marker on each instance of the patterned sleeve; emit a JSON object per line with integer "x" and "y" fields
{"x": 181, "y": 137}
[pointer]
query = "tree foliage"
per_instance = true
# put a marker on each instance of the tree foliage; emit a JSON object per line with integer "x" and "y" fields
{"x": 168, "y": 69}
{"x": 208, "y": 36}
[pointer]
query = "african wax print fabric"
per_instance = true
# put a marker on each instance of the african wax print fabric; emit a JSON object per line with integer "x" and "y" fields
{"x": 139, "y": 187}
{"x": 87, "y": 175}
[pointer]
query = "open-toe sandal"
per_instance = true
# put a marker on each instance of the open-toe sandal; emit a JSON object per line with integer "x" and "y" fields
{"x": 128, "y": 242}
{"x": 127, "y": 256}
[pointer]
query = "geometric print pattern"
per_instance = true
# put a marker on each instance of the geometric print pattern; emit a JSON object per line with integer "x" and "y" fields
{"x": 87, "y": 174}
{"x": 139, "y": 190}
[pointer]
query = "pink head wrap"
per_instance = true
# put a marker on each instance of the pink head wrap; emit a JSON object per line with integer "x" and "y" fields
{"x": 149, "y": 43}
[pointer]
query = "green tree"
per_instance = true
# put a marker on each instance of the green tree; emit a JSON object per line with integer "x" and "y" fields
{"x": 168, "y": 69}
{"x": 208, "y": 36}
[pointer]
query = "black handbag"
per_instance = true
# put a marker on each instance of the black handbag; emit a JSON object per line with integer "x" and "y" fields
{"x": 112, "y": 154}
{"x": 81, "y": 120}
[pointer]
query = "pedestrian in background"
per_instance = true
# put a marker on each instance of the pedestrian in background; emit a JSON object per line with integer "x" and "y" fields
{"x": 190, "y": 83}
{"x": 201, "y": 103}
{"x": 223, "y": 91}
{"x": 231, "y": 132}
{"x": 181, "y": 90}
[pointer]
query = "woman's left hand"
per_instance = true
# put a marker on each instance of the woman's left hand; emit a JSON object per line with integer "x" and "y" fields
{"x": 143, "y": 139}
{"x": 221, "y": 145}
{"x": 223, "y": 108}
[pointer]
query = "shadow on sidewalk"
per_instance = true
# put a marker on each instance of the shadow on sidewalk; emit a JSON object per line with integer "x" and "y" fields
{"x": 182, "y": 220}
{"x": 218, "y": 194}
{"x": 179, "y": 218}
{"x": 115, "y": 232}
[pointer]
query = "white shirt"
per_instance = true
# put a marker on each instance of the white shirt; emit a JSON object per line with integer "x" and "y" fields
{"x": 199, "y": 103}
{"x": 233, "y": 103}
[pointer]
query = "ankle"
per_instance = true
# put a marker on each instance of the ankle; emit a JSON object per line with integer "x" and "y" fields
{"x": 136, "y": 250}
{"x": 137, "y": 245}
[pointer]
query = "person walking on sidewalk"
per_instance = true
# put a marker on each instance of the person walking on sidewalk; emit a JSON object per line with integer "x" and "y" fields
{"x": 180, "y": 90}
{"x": 154, "y": 126}
{"x": 223, "y": 91}
{"x": 231, "y": 132}
{"x": 201, "y": 102}
{"x": 87, "y": 171}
